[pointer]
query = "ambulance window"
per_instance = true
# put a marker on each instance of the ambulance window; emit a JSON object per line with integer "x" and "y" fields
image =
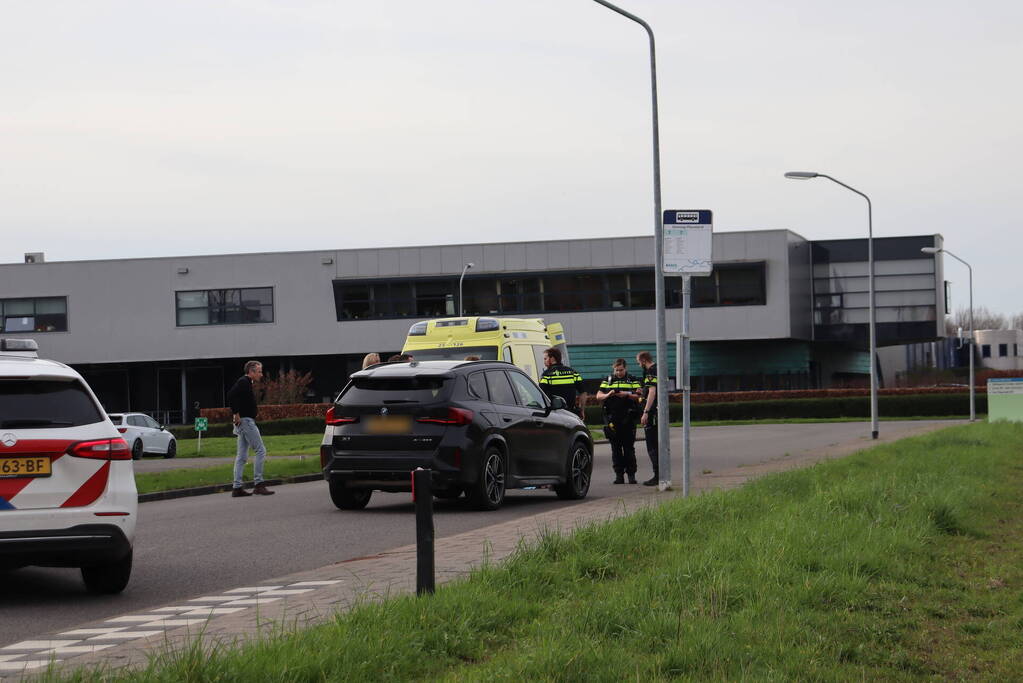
{"x": 538, "y": 357}
{"x": 507, "y": 354}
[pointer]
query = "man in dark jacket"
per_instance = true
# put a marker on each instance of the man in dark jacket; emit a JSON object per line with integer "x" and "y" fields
{"x": 619, "y": 394}
{"x": 242, "y": 400}
{"x": 560, "y": 380}
{"x": 649, "y": 417}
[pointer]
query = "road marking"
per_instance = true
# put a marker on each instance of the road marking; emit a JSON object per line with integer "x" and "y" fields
{"x": 213, "y": 611}
{"x": 76, "y": 649}
{"x": 126, "y": 635}
{"x": 253, "y": 589}
{"x": 23, "y": 666}
{"x": 164, "y": 623}
{"x": 313, "y": 583}
{"x": 40, "y": 644}
{"x": 252, "y": 601}
{"x": 91, "y": 631}
{"x": 135, "y": 618}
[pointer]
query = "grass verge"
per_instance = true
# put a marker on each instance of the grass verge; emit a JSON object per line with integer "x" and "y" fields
{"x": 898, "y": 563}
{"x": 226, "y": 446}
{"x": 149, "y": 482}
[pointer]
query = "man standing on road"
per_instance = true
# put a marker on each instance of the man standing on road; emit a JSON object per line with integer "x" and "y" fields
{"x": 649, "y": 417}
{"x": 560, "y": 380}
{"x": 620, "y": 395}
{"x": 242, "y": 400}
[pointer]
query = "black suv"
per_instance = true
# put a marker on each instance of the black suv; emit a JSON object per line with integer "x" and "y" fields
{"x": 480, "y": 426}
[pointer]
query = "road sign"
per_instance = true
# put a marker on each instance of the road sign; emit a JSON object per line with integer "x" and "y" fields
{"x": 687, "y": 242}
{"x": 1005, "y": 399}
{"x": 202, "y": 424}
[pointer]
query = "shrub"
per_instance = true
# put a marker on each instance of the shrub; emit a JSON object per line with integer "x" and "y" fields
{"x": 294, "y": 425}
{"x": 287, "y": 387}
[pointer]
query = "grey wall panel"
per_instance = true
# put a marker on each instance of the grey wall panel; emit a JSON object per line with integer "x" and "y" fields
{"x": 348, "y": 263}
{"x": 389, "y": 263}
{"x": 623, "y": 252}
{"x": 369, "y": 263}
{"x": 451, "y": 259}
{"x": 602, "y": 253}
{"x": 558, "y": 256}
{"x": 471, "y": 253}
{"x": 579, "y": 254}
{"x": 515, "y": 257}
{"x": 800, "y": 290}
{"x": 408, "y": 262}
{"x": 493, "y": 259}
{"x": 430, "y": 261}
{"x": 536, "y": 256}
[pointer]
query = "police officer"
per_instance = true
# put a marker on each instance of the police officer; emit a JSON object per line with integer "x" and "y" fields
{"x": 560, "y": 380}
{"x": 619, "y": 394}
{"x": 649, "y": 417}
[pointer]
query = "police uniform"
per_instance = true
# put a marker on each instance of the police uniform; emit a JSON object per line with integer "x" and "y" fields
{"x": 561, "y": 380}
{"x": 650, "y": 430}
{"x": 620, "y": 415}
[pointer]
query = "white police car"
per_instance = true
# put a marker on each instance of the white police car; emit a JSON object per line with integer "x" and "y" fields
{"x": 67, "y": 486}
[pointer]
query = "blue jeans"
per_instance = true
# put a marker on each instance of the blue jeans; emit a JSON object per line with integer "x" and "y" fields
{"x": 248, "y": 437}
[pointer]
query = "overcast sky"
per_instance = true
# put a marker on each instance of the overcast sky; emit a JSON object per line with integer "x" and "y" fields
{"x": 139, "y": 128}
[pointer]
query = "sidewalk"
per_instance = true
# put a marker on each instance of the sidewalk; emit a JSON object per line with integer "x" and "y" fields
{"x": 306, "y": 598}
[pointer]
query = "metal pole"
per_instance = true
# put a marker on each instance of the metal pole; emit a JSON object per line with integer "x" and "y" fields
{"x": 422, "y": 497}
{"x": 663, "y": 445}
{"x": 461, "y": 307}
{"x": 686, "y": 293}
{"x": 973, "y": 389}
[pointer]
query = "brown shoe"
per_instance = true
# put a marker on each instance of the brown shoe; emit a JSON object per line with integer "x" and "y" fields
{"x": 262, "y": 490}
{"x": 239, "y": 493}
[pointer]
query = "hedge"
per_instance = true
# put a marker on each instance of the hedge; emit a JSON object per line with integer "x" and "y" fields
{"x": 912, "y": 405}
{"x": 291, "y": 425}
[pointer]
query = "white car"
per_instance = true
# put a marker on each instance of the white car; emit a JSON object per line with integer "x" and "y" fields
{"x": 67, "y": 485}
{"x": 144, "y": 435}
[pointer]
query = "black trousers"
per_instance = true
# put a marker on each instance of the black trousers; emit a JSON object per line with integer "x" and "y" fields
{"x": 623, "y": 448}
{"x": 650, "y": 434}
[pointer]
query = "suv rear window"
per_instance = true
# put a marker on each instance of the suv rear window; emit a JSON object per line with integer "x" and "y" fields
{"x": 45, "y": 403}
{"x": 376, "y": 391}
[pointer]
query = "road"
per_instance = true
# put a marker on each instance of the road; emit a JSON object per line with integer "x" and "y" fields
{"x": 196, "y": 546}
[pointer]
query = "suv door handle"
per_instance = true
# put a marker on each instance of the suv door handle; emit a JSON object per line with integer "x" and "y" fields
{"x": 538, "y": 423}
{"x": 506, "y": 418}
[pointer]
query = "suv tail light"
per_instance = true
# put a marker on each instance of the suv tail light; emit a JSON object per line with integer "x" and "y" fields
{"x": 103, "y": 449}
{"x": 123, "y": 430}
{"x": 456, "y": 417}
{"x": 332, "y": 420}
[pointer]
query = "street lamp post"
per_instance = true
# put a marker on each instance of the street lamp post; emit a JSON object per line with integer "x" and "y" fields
{"x": 804, "y": 175}
{"x": 663, "y": 446}
{"x": 461, "y": 307}
{"x": 973, "y": 389}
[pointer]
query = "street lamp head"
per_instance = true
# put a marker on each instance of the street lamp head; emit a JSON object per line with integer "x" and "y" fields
{"x": 470, "y": 265}
{"x": 930, "y": 250}
{"x": 800, "y": 175}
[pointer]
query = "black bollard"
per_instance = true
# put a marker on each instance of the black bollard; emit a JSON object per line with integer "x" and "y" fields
{"x": 422, "y": 496}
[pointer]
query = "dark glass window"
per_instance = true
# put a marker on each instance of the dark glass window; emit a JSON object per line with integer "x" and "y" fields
{"x": 985, "y": 350}
{"x": 500, "y": 390}
{"x": 1003, "y": 350}
{"x": 225, "y": 306}
{"x": 377, "y": 391}
{"x": 45, "y": 404}
{"x": 740, "y": 284}
{"x": 47, "y": 314}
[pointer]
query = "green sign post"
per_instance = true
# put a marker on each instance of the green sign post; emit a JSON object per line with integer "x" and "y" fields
{"x": 1005, "y": 399}
{"x": 201, "y": 425}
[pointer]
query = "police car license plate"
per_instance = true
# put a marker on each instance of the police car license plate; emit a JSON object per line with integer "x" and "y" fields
{"x": 389, "y": 424}
{"x": 30, "y": 466}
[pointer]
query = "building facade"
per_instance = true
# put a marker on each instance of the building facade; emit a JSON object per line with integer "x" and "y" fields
{"x": 162, "y": 335}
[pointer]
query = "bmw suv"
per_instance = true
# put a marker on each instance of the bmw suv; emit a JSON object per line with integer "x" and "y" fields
{"x": 481, "y": 427}
{"x": 67, "y": 487}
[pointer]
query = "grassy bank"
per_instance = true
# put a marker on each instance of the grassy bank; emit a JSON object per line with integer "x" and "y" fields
{"x": 898, "y": 563}
{"x": 149, "y": 482}
{"x": 226, "y": 446}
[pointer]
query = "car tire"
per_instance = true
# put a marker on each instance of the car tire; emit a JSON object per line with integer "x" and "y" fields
{"x": 108, "y": 578}
{"x": 136, "y": 449}
{"x": 579, "y": 473}
{"x": 349, "y": 499}
{"x": 487, "y": 493}
{"x": 172, "y": 449}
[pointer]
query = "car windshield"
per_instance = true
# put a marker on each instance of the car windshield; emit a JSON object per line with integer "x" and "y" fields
{"x": 455, "y": 353}
{"x": 46, "y": 403}
{"x": 395, "y": 390}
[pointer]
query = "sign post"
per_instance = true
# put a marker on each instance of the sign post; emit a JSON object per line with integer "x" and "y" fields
{"x": 201, "y": 425}
{"x": 688, "y": 251}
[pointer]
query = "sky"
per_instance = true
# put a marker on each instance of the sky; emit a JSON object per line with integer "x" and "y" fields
{"x": 134, "y": 128}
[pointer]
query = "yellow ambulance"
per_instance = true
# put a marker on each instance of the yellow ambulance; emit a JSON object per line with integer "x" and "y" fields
{"x": 520, "y": 341}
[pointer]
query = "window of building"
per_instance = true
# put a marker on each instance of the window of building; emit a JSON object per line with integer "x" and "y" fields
{"x": 1015, "y": 349}
{"x": 740, "y": 284}
{"x": 1003, "y": 350}
{"x": 47, "y": 314}
{"x": 985, "y": 350}
{"x": 225, "y": 306}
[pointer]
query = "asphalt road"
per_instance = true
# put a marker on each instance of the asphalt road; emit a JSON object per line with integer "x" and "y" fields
{"x": 196, "y": 546}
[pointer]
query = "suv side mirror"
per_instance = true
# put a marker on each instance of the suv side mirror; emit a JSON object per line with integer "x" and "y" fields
{"x": 558, "y": 403}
